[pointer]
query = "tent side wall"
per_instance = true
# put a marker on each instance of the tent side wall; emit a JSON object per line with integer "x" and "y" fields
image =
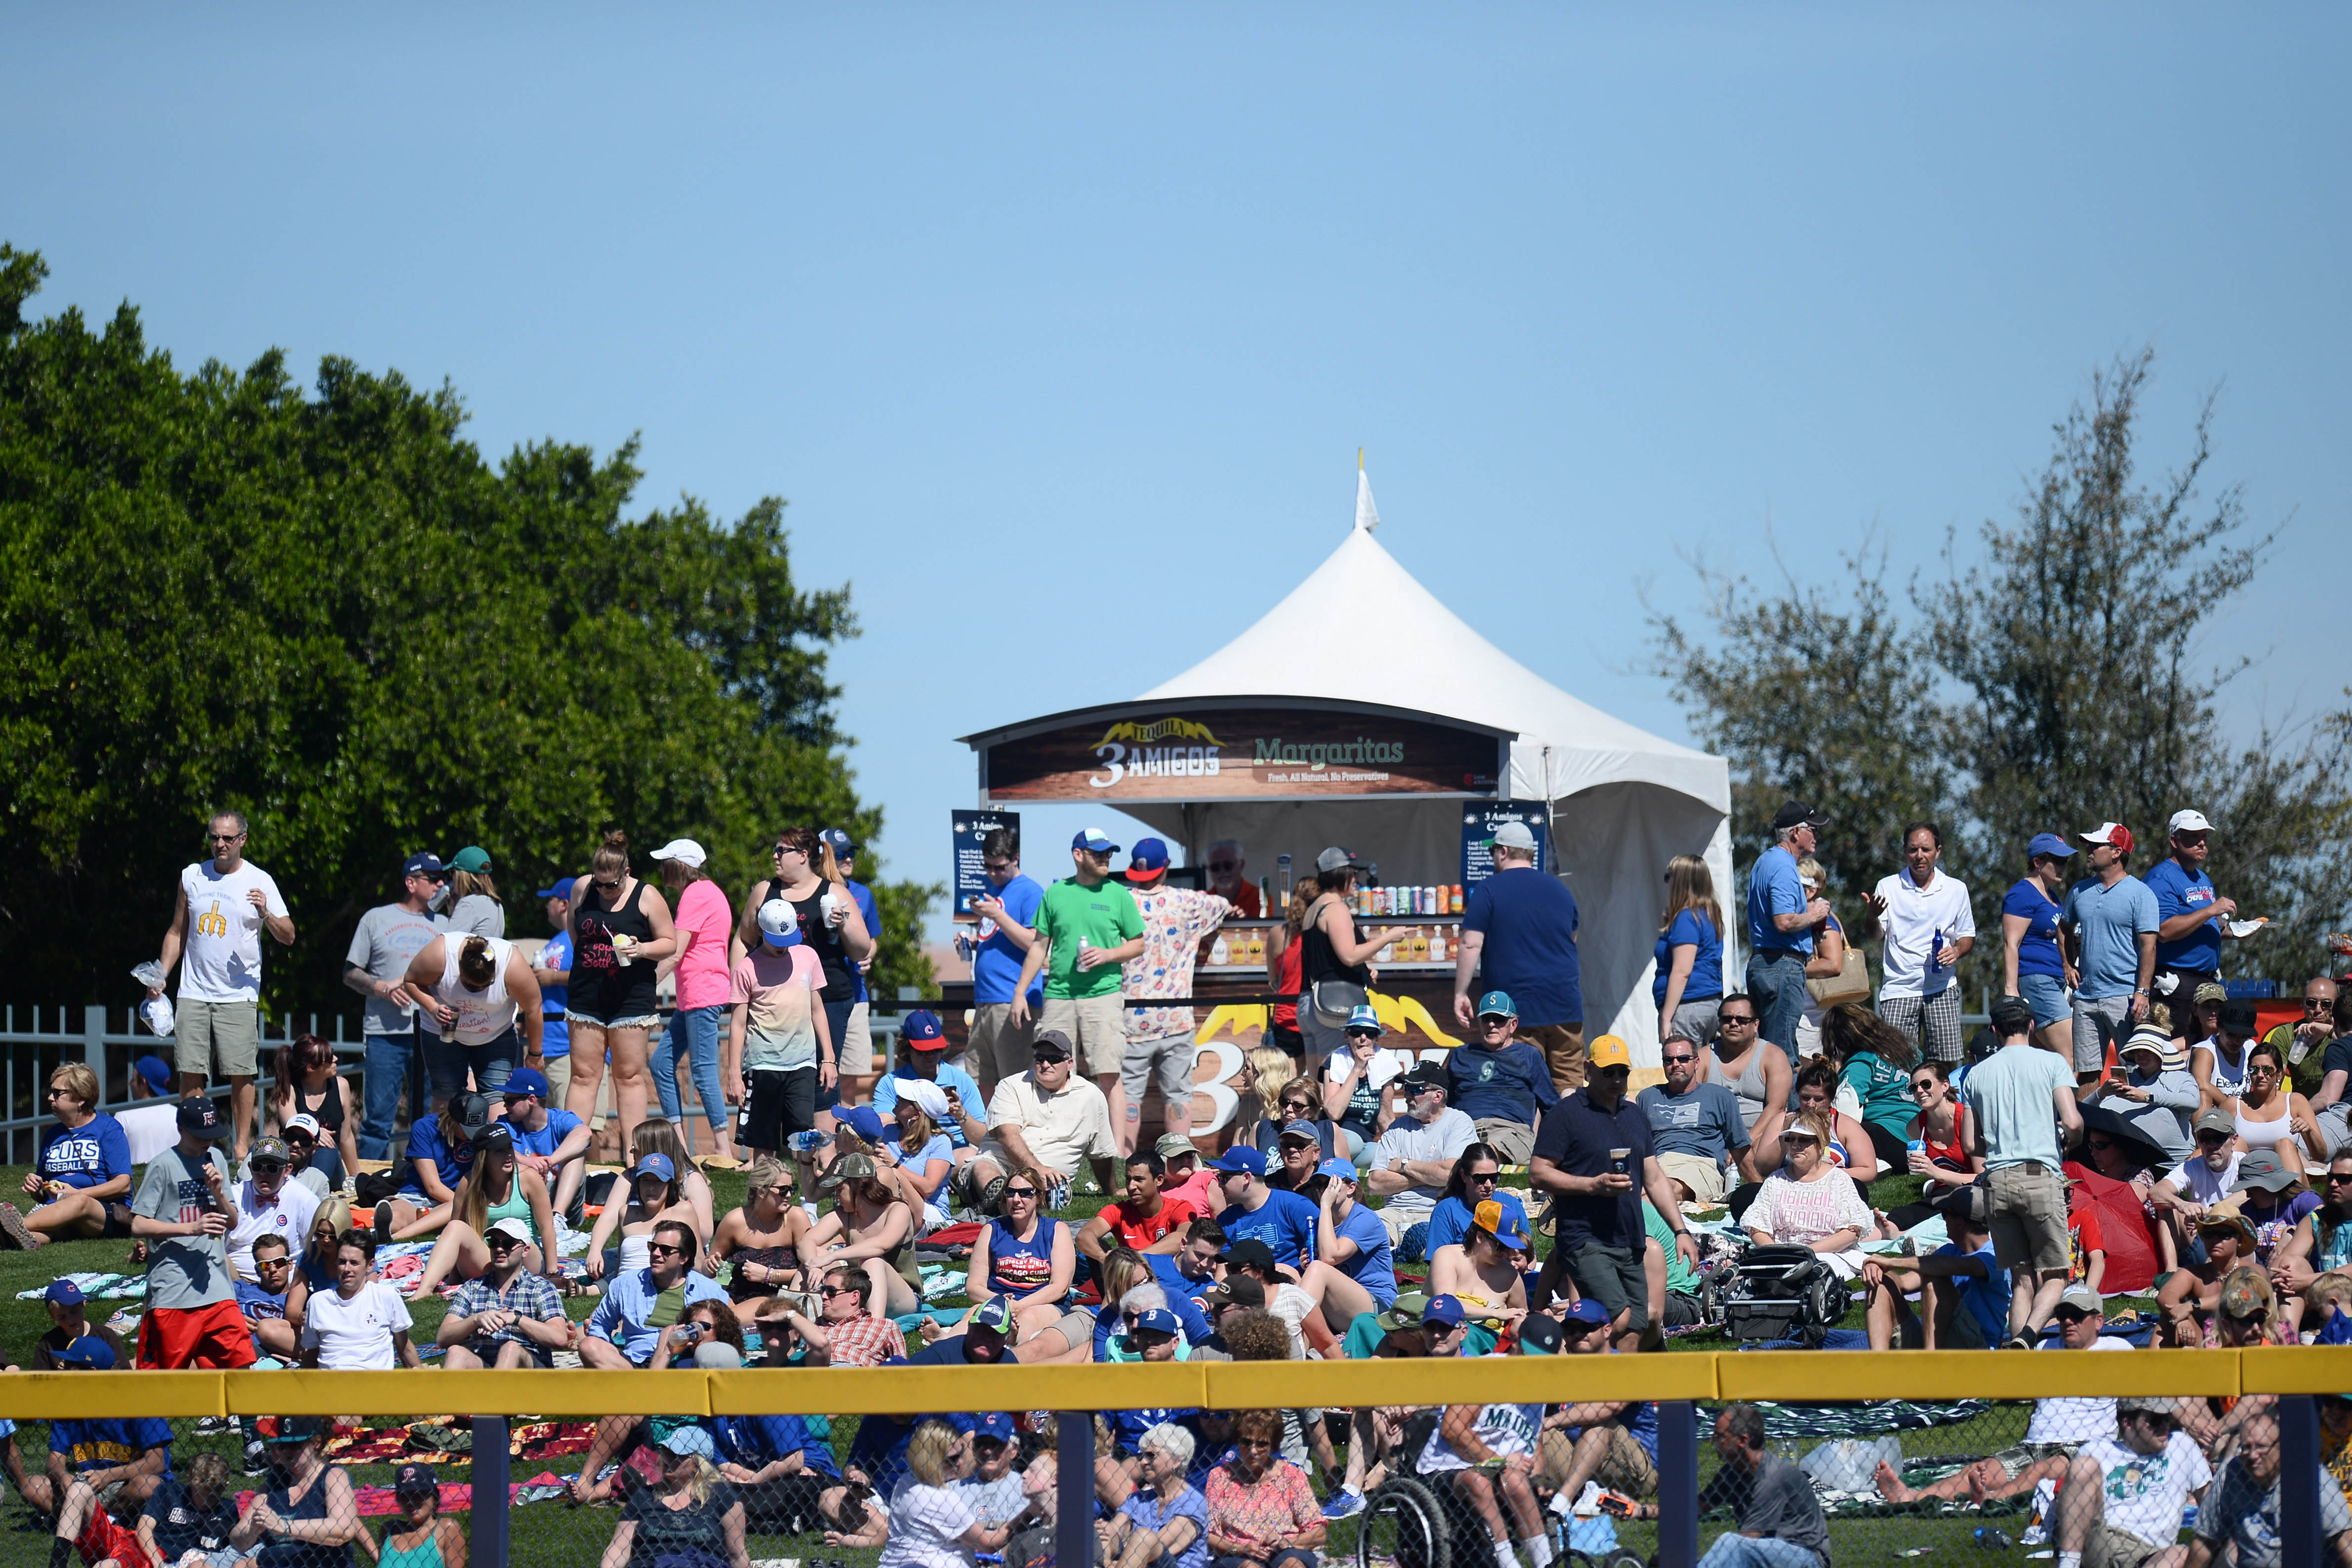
{"x": 1613, "y": 843}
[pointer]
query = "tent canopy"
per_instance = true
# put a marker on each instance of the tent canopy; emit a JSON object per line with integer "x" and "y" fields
{"x": 1624, "y": 801}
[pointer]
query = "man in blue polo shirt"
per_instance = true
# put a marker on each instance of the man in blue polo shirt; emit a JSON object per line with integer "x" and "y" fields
{"x": 2192, "y": 920}
{"x": 1780, "y": 921}
{"x": 1000, "y": 1044}
{"x": 1518, "y": 933}
{"x": 1499, "y": 1081}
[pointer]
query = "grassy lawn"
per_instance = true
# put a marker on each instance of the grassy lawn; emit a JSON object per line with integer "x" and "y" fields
{"x": 554, "y": 1533}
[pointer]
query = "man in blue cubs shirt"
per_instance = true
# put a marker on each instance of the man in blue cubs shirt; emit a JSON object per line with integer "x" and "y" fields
{"x": 121, "y": 1458}
{"x": 548, "y": 1137}
{"x": 779, "y": 1468}
{"x": 922, "y": 1055}
{"x": 2189, "y": 916}
{"x": 83, "y": 1173}
{"x": 440, "y": 1152}
{"x": 1283, "y": 1221}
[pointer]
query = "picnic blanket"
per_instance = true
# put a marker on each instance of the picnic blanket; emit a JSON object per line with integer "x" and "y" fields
{"x": 438, "y": 1442}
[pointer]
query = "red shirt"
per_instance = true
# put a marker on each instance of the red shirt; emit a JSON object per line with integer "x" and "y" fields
{"x": 1141, "y": 1234}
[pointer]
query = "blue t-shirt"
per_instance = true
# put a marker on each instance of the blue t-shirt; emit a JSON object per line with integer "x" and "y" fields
{"x": 86, "y": 1155}
{"x": 1512, "y": 1083}
{"x": 756, "y": 1442}
{"x": 886, "y": 1096}
{"x": 1194, "y": 1322}
{"x": 2179, "y": 893}
{"x": 1286, "y": 1224}
{"x": 1149, "y": 1512}
{"x": 1171, "y": 1279}
{"x": 561, "y": 1124}
{"x": 2107, "y": 922}
{"x": 1529, "y": 921}
{"x": 1371, "y": 1267}
{"x": 1704, "y": 1121}
{"x": 425, "y": 1142}
{"x": 1690, "y": 929}
{"x": 1452, "y": 1219}
{"x": 109, "y": 1441}
{"x": 556, "y": 954}
{"x": 258, "y": 1305}
{"x": 996, "y": 964}
{"x": 1986, "y": 1299}
{"x": 2037, "y": 949}
{"x": 1774, "y": 888}
{"x": 863, "y": 896}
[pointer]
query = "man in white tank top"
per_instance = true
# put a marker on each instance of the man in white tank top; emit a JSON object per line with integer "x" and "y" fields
{"x": 475, "y": 991}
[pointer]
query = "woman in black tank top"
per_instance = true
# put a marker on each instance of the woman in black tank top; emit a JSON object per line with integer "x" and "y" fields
{"x": 1332, "y": 946}
{"x": 612, "y": 1011}
{"x": 307, "y": 1084}
{"x": 805, "y": 873}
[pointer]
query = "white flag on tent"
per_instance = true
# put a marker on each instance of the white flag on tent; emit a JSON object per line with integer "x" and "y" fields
{"x": 1368, "y": 517}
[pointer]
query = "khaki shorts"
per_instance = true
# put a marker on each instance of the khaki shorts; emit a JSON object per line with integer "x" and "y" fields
{"x": 1168, "y": 1059}
{"x": 1703, "y": 1177}
{"x": 1562, "y": 1046}
{"x": 219, "y": 1039}
{"x": 854, "y": 1049}
{"x": 1514, "y": 1142}
{"x": 1097, "y": 1026}
{"x": 2107, "y": 1547}
{"x": 2029, "y": 1218}
{"x": 1000, "y": 1047}
{"x": 1625, "y": 1468}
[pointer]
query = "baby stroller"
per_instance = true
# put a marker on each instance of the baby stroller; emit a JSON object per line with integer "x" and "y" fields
{"x": 1780, "y": 1292}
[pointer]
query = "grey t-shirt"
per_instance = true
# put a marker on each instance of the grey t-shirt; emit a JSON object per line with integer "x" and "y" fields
{"x": 477, "y": 914}
{"x": 1776, "y": 1498}
{"x": 185, "y": 1271}
{"x": 2239, "y": 1513}
{"x": 387, "y": 938}
{"x": 1705, "y": 1122}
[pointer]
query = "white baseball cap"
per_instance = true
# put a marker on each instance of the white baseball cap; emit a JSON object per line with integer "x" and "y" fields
{"x": 306, "y": 1122}
{"x": 514, "y": 1226}
{"x": 778, "y": 921}
{"x": 681, "y": 849}
{"x": 1515, "y": 836}
{"x": 2190, "y": 822}
{"x": 929, "y": 1097}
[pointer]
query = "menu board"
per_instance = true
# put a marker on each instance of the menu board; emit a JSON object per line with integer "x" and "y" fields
{"x": 1478, "y": 824}
{"x": 972, "y": 831}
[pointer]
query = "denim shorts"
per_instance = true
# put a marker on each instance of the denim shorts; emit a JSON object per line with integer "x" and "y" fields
{"x": 2046, "y": 995}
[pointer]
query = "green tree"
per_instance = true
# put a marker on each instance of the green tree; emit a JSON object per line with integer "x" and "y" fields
{"x": 2052, "y": 682}
{"x": 331, "y": 613}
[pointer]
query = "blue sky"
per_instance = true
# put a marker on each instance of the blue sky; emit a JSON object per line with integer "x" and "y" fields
{"x": 1060, "y": 328}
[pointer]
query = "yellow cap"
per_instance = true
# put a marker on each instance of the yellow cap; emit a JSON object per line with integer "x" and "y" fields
{"x": 1608, "y": 1051}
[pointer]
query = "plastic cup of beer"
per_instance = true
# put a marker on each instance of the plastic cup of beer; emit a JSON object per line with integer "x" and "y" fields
{"x": 1617, "y": 1159}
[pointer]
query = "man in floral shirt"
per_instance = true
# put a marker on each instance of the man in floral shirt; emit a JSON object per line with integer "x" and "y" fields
{"x": 1160, "y": 1039}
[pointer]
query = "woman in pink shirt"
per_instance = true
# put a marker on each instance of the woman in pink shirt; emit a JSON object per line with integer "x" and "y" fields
{"x": 703, "y": 922}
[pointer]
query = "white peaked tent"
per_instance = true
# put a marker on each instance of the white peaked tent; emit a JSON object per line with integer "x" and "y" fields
{"x": 1361, "y": 630}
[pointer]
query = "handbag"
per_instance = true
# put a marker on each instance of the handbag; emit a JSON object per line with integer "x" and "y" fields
{"x": 1335, "y": 1000}
{"x": 1850, "y": 984}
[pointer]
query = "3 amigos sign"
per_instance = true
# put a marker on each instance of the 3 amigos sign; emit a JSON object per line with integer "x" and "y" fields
{"x": 1242, "y": 754}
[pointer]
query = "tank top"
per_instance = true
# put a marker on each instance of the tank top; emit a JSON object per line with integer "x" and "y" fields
{"x": 328, "y": 1113}
{"x": 516, "y": 1207}
{"x": 2231, "y": 1081}
{"x": 605, "y": 988}
{"x": 1954, "y": 1154}
{"x": 636, "y": 1252}
{"x": 482, "y": 1016}
{"x": 1316, "y": 961}
{"x": 741, "y": 1289}
{"x": 825, "y": 941}
{"x": 1017, "y": 1267}
{"x": 1748, "y": 1088}
{"x": 425, "y": 1553}
{"x": 1287, "y": 983}
{"x": 2252, "y": 1132}
{"x": 302, "y": 1554}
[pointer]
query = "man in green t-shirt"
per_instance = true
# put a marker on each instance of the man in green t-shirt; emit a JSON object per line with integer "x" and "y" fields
{"x": 1087, "y": 927}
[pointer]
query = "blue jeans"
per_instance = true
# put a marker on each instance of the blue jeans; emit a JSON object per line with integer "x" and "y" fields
{"x": 391, "y": 1060}
{"x": 1733, "y": 1550}
{"x": 1776, "y": 986}
{"x": 693, "y": 1034}
{"x": 489, "y": 1062}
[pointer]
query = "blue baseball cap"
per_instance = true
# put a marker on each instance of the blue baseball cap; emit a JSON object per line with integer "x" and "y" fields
{"x": 993, "y": 1316}
{"x": 88, "y": 1351}
{"x": 1589, "y": 1313}
{"x": 528, "y": 1080}
{"x": 1241, "y": 1157}
{"x": 200, "y": 1116}
{"x": 919, "y": 1025}
{"x": 653, "y": 1165}
{"x": 1497, "y": 1005}
{"x": 63, "y": 1293}
{"x": 1364, "y": 1016}
{"x": 155, "y": 1072}
{"x": 1094, "y": 838}
{"x": 692, "y": 1440}
{"x": 1444, "y": 1311}
{"x": 1148, "y": 859}
{"x": 838, "y": 842}
{"x": 425, "y": 862}
{"x": 994, "y": 1424}
{"x": 562, "y": 889}
{"x": 862, "y": 1120}
{"x": 2048, "y": 844}
{"x": 1158, "y": 1321}
{"x": 1339, "y": 1171}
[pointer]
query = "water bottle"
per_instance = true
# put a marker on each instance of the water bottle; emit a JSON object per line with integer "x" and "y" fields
{"x": 1992, "y": 1538}
{"x": 1936, "y": 955}
{"x": 807, "y": 1143}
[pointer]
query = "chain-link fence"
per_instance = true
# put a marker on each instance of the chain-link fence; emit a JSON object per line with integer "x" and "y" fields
{"x": 1488, "y": 1485}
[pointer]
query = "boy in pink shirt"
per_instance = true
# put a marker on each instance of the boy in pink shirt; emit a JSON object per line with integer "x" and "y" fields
{"x": 778, "y": 1039}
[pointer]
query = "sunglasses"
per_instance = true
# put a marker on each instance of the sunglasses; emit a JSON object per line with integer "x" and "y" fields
{"x": 837, "y": 1291}
{"x": 1925, "y": 1086}
{"x": 608, "y": 886}
{"x": 1677, "y": 1061}
{"x": 1727, "y": 1019}
{"x": 1020, "y": 1192}
{"x": 507, "y": 1244}
{"x": 664, "y": 1248}
{"x": 2103, "y": 1144}
{"x": 1300, "y": 1106}
{"x": 1486, "y": 1178}
{"x": 2338, "y": 1177}
{"x": 1224, "y": 865}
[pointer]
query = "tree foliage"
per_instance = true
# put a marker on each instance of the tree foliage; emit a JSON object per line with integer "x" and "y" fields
{"x": 331, "y": 613}
{"x": 2051, "y": 683}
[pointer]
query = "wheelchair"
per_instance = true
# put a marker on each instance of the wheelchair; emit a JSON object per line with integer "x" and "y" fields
{"x": 1410, "y": 1523}
{"x": 1780, "y": 1292}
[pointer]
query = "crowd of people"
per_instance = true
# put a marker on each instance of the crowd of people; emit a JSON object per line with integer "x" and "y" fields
{"x": 1367, "y": 1203}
